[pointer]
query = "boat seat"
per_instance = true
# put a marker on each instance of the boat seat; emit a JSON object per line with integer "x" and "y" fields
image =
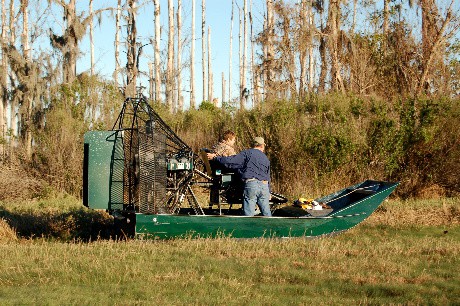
{"x": 205, "y": 160}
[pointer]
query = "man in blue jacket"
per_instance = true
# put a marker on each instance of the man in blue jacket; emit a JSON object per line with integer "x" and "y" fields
{"x": 254, "y": 169}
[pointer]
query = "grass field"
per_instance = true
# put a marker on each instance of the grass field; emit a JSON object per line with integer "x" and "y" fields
{"x": 405, "y": 253}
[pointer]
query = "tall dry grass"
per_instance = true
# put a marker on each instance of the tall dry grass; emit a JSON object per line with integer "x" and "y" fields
{"x": 405, "y": 253}
{"x": 368, "y": 265}
{"x": 7, "y": 233}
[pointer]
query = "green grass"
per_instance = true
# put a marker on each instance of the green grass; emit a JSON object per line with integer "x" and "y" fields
{"x": 381, "y": 261}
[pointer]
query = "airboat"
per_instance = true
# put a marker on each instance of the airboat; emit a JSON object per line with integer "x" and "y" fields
{"x": 153, "y": 184}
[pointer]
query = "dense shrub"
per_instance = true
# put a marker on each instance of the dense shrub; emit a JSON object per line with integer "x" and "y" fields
{"x": 327, "y": 142}
{"x": 315, "y": 146}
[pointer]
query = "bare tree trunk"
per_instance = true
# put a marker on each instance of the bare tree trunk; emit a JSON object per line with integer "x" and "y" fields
{"x": 334, "y": 26}
{"x": 117, "y": 43}
{"x": 210, "y": 76}
{"x": 26, "y": 116}
{"x": 180, "y": 98}
{"x": 223, "y": 88}
{"x": 131, "y": 68}
{"x": 324, "y": 66}
{"x": 255, "y": 89}
{"x": 245, "y": 53}
{"x": 230, "y": 57}
{"x": 305, "y": 43}
{"x": 91, "y": 39}
{"x": 192, "y": 61}
{"x": 240, "y": 56}
{"x": 311, "y": 67}
{"x": 3, "y": 86}
{"x": 14, "y": 102}
{"x": 157, "y": 52}
{"x": 386, "y": 15}
{"x": 203, "y": 46}
{"x": 353, "y": 22}
{"x": 169, "y": 68}
{"x": 270, "y": 52}
{"x": 151, "y": 83}
{"x": 288, "y": 54}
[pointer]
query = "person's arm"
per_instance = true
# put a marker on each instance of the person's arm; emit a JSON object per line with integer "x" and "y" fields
{"x": 232, "y": 162}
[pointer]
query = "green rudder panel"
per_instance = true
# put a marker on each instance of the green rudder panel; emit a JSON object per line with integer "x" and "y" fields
{"x": 98, "y": 169}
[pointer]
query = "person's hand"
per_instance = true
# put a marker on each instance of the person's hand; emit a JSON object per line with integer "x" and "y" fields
{"x": 211, "y": 155}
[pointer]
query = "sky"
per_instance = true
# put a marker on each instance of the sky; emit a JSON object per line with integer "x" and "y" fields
{"x": 218, "y": 18}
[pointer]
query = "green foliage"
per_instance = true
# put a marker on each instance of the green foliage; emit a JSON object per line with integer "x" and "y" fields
{"x": 327, "y": 142}
{"x": 205, "y": 105}
{"x": 315, "y": 146}
{"x": 328, "y": 149}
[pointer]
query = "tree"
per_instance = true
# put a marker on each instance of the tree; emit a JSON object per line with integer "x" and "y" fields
{"x": 240, "y": 57}
{"x": 180, "y": 98}
{"x": 203, "y": 46}
{"x": 210, "y": 75}
{"x": 269, "y": 52}
{"x": 333, "y": 29}
{"x": 74, "y": 32}
{"x": 117, "y": 43}
{"x": 230, "y": 57}
{"x": 91, "y": 39}
{"x": 245, "y": 56}
{"x": 157, "y": 51}
{"x": 27, "y": 85}
{"x": 132, "y": 52}
{"x": 170, "y": 62}
{"x": 434, "y": 37}
{"x": 3, "y": 84}
{"x": 192, "y": 61}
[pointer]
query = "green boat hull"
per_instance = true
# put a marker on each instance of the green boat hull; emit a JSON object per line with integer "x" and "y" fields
{"x": 349, "y": 211}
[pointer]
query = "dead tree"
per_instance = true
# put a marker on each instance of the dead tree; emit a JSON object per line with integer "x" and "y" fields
{"x": 230, "y": 57}
{"x": 311, "y": 67}
{"x": 333, "y": 28}
{"x": 210, "y": 75}
{"x": 254, "y": 72}
{"x": 27, "y": 84}
{"x": 27, "y": 100}
{"x": 223, "y": 87}
{"x": 269, "y": 56}
{"x": 192, "y": 61}
{"x": 434, "y": 35}
{"x": 12, "y": 40}
{"x": 303, "y": 44}
{"x": 203, "y": 46}
{"x": 132, "y": 52}
{"x": 170, "y": 62}
{"x": 157, "y": 51}
{"x": 240, "y": 57}
{"x": 74, "y": 32}
{"x": 151, "y": 83}
{"x": 91, "y": 36}
{"x": 117, "y": 43}
{"x": 3, "y": 85}
{"x": 180, "y": 98}
{"x": 245, "y": 54}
